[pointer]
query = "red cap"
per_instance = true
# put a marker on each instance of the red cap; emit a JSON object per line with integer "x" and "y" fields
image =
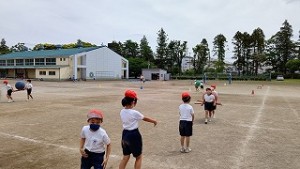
{"x": 131, "y": 94}
{"x": 94, "y": 113}
{"x": 213, "y": 86}
{"x": 5, "y": 81}
{"x": 185, "y": 94}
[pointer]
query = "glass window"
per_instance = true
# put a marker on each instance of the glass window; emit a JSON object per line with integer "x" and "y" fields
{"x": 40, "y": 61}
{"x": 2, "y": 63}
{"x": 28, "y": 61}
{"x": 10, "y": 62}
{"x": 52, "y": 73}
{"x": 50, "y": 61}
{"x": 19, "y": 62}
{"x": 42, "y": 72}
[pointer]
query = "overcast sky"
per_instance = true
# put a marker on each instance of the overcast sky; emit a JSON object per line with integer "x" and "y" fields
{"x": 102, "y": 21}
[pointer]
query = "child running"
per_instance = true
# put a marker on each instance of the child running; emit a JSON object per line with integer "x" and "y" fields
{"x": 209, "y": 102}
{"x": 186, "y": 113}
{"x": 29, "y": 87}
{"x": 93, "y": 141}
{"x": 131, "y": 137}
{"x": 9, "y": 89}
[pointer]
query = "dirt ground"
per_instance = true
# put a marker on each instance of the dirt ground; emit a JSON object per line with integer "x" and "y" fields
{"x": 256, "y": 131}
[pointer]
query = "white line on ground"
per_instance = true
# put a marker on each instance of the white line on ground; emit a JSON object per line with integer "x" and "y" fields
{"x": 250, "y": 135}
{"x": 44, "y": 143}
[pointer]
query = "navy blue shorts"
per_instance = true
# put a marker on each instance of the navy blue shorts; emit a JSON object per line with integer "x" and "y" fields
{"x": 185, "y": 128}
{"x": 209, "y": 106}
{"x": 93, "y": 160}
{"x": 132, "y": 142}
{"x": 9, "y": 92}
{"x": 29, "y": 91}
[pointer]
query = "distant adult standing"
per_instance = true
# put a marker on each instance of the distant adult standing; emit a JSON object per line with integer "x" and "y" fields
{"x": 29, "y": 87}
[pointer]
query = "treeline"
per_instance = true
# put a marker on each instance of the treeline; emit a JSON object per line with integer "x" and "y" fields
{"x": 251, "y": 51}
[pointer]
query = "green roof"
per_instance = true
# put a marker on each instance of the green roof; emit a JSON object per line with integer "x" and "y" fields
{"x": 47, "y": 53}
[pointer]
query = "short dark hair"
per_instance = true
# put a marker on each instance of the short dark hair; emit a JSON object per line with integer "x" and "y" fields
{"x": 208, "y": 89}
{"x": 29, "y": 80}
{"x": 186, "y": 99}
{"x": 126, "y": 101}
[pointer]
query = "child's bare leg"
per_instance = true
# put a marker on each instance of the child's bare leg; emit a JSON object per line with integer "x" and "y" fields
{"x": 124, "y": 162}
{"x": 206, "y": 116}
{"x": 187, "y": 142}
{"x": 138, "y": 162}
{"x": 182, "y": 141}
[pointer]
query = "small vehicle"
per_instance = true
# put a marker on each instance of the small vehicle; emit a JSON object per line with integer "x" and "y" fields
{"x": 279, "y": 78}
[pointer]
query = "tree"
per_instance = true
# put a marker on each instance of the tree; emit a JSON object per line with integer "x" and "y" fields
{"x": 293, "y": 65}
{"x": 3, "y": 48}
{"x": 116, "y": 47}
{"x": 219, "y": 50}
{"x": 284, "y": 45}
{"x": 136, "y": 65}
{"x": 130, "y": 49}
{"x": 258, "y": 45}
{"x": 19, "y": 47}
{"x": 161, "y": 48}
{"x": 176, "y": 51}
{"x": 238, "y": 43}
{"x": 145, "y": 50}
{"x": 201, "y": 56}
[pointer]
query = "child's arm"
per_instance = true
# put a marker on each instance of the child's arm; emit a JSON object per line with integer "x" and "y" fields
{"x": 82, "y": 152}
{"x": 107, "y": 153}
{"x": 147, "y": 119}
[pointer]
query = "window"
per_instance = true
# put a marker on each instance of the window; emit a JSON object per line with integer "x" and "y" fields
{"x": 50, "y": 61}
{"x": 42, "y": 72}
{"x": 2, "y": 63}
{"x": 52, "y": 73}
{"x": 10, "y": 62}
{"x": 40, "y": 61}
{"x": 19, "y": 62}
{"x": 28, "y": 61}
{"x": 62, "y": 59}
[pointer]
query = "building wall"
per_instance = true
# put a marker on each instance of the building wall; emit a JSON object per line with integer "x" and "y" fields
{"x": 104, "y": 63}
{"x": 160, "y": 74}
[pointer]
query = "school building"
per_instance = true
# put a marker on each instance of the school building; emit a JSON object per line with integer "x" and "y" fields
{"x": 61, "y": 64}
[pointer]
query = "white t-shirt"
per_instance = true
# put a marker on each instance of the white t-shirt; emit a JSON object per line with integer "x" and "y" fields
{"x": 209, "y": 98}
{"x": 186, "y": 111}
{"x": 95, "y": 141}
{"x": 29, "y": 86}
{"x": 130, "y": 118}
{"x": 8, "y": 87}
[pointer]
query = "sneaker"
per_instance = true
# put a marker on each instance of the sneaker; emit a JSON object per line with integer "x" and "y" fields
{"x": 187, "y": 150}
{"x": 182, "y": 150}
{"x": 209, "y": 120}
{"x": 205, "y": 121}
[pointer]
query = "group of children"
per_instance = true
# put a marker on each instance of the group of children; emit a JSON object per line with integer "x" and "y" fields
{"x": 10, "y": 90}
{"x": 95, "y": 143}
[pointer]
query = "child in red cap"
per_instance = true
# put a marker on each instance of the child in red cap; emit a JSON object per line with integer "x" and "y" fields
{"x": 94, "y": 142}
{"x": 9, "y": 89}
{"x": 131, "y": 137}
{"x": 186, "y": 121}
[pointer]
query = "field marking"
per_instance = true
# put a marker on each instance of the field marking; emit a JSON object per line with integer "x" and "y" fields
{"x": 250, "y": 135}
{"x": 44, "y": 143}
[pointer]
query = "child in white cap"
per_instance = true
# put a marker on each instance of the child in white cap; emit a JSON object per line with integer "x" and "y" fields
{"x": 94, "y": 142}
